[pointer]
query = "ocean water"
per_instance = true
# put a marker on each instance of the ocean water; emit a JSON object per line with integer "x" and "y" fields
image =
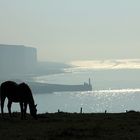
{"x": 93, "y": 101}
{"x": 90, "y": 101}
{"x": 116, "y": 88}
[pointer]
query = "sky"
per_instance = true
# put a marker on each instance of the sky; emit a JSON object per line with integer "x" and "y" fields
{"x": 67, "y": 30}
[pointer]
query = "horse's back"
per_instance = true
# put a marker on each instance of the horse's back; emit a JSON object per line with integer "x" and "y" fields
{"x": 8, "y": 86}
{"x": 16, "y": 92}
{"x": 9, "y": 89}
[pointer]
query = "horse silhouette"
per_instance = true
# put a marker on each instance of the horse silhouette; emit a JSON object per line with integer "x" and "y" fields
{"x": 17, "y": 93}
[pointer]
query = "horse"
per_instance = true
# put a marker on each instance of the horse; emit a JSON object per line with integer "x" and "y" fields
{"x": 19, "y": 93}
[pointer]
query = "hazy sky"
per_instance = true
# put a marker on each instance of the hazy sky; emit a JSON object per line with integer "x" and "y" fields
{"x": 65, "y": 30}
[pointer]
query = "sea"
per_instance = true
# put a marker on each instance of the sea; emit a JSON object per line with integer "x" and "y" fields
{"x": 116, "y": 88}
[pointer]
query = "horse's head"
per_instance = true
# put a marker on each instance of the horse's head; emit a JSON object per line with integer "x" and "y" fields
{"x": 33, "y": 111}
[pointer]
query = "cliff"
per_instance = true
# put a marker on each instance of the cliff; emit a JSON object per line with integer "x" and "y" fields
{"x": 17, "y": 59}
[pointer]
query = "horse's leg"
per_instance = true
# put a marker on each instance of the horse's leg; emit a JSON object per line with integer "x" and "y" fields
{"x": 25, "y": 108}
{"x": 21, "y": 108}
{"x": 9, "y": 107}
{"x": 2, "y": 104}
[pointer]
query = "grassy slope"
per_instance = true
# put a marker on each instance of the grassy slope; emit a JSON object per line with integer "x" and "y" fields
{"x": 124, "y": 126}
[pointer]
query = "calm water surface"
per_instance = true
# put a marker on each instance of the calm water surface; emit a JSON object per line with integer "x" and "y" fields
{"x": 94, "y": 101}
{"x": 113, "y": 90}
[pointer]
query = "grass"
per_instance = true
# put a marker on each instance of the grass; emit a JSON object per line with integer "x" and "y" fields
{"x": 72, "y": 126}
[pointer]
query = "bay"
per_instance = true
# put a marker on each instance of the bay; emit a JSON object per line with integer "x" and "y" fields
{"x": 115, "y": 89}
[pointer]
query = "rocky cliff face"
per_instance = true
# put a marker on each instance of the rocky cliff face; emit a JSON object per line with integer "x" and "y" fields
{"x": 17, "y": 60}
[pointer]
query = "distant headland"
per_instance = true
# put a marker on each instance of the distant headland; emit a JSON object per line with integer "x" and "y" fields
{"x": 19, "y": 60}
{"x": 50, "y": 88}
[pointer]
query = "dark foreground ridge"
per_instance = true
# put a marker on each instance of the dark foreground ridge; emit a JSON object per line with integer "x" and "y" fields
{"x": 72, "y": 126}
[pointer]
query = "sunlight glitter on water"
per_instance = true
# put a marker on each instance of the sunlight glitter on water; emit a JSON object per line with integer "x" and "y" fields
{"x": 90, "y": 101}
{"x": 115, "y": 90}
{"x": 125, "y": 91}
{"x": 106, "y": 64}
{"x": 99, "y": 101}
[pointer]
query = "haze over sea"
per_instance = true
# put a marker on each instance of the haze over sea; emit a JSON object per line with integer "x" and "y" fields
{"x": 115, "y": 84}
{"x": 116, "y": 87}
